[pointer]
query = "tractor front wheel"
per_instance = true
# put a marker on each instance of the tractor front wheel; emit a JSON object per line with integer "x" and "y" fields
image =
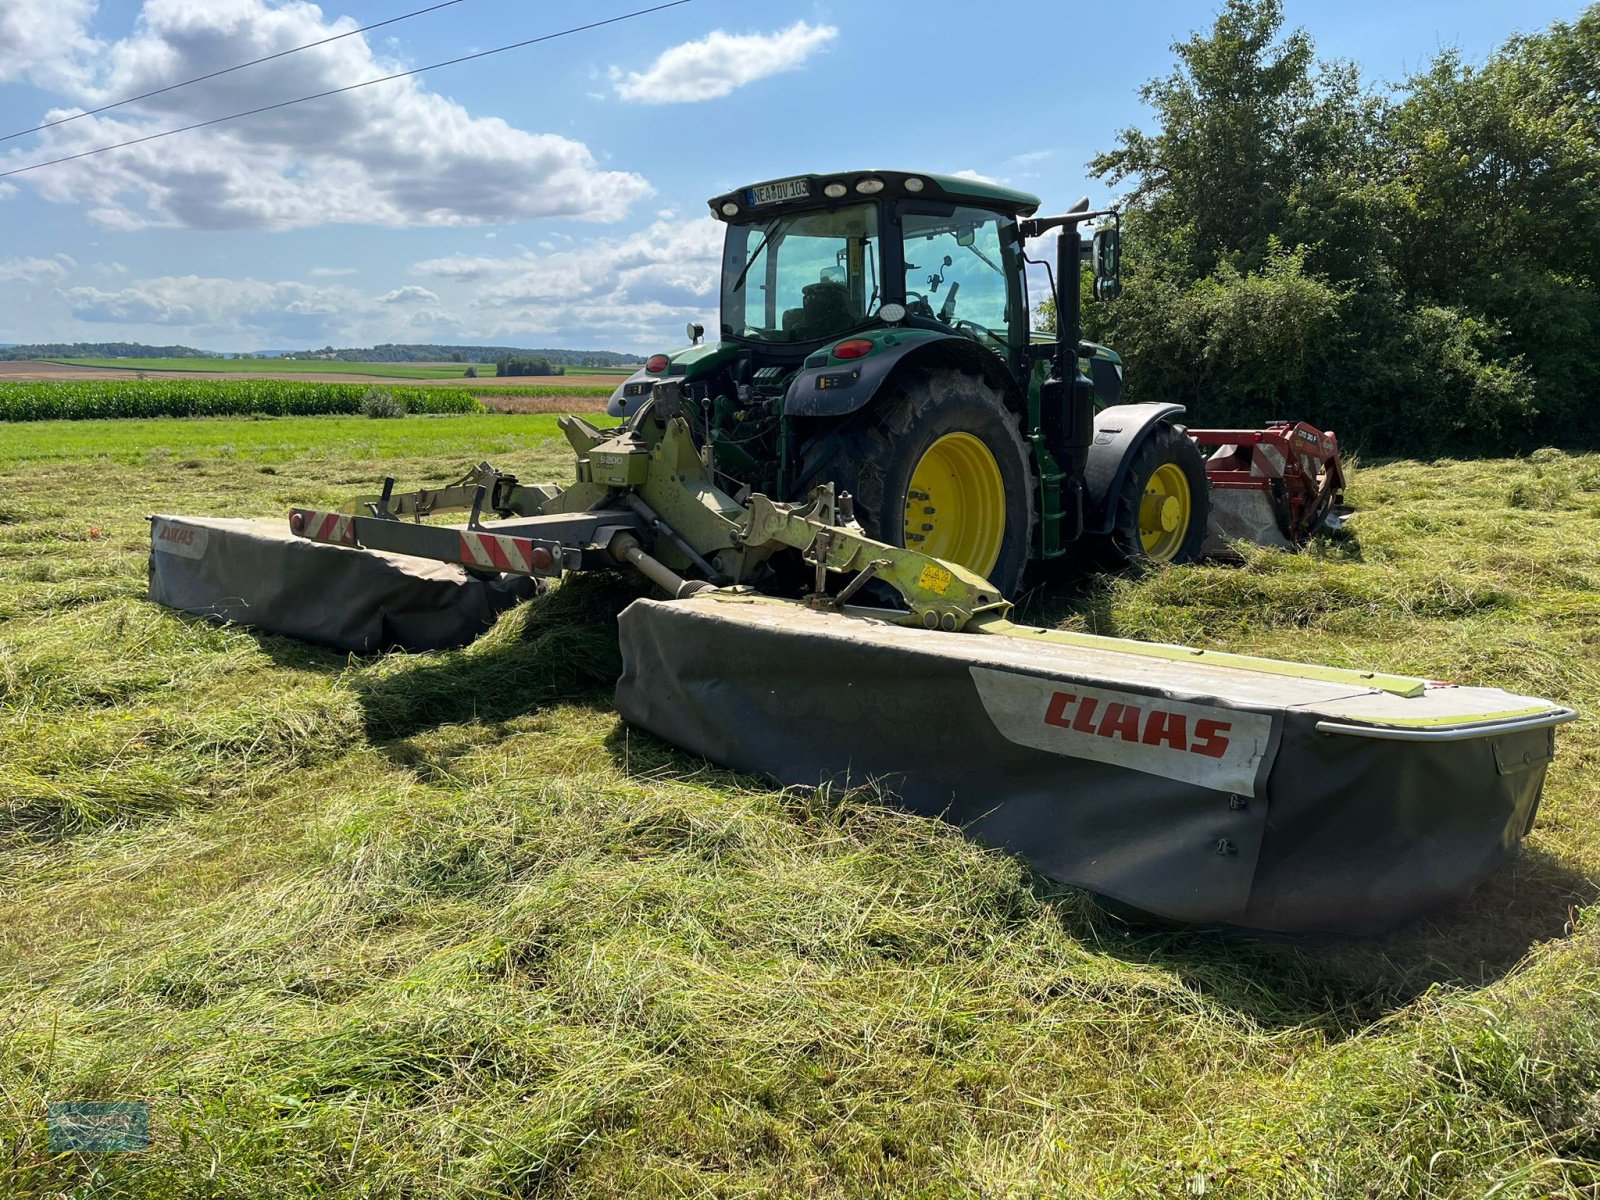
{"x": 936, "y": 464}
{"x": 1164, "y": 504}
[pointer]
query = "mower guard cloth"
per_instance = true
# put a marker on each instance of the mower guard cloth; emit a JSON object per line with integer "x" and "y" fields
{"x": 258, "y": 573}
{"x": 1201, "y": 793}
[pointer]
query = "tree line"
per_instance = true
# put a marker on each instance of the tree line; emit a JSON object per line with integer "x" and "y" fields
{"x": 515, "y": 364}
{"x": 99, "y": 350}
{"x": 1416, "y": 268}
{"x": 435, "y": 352}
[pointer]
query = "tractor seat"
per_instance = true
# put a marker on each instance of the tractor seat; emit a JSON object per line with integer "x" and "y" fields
{"x": 824, "y": 311}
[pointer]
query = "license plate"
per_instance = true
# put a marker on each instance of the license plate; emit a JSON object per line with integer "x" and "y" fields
{"x": 776, "y": 193}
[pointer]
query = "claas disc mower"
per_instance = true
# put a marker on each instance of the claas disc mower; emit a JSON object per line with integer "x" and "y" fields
{"x": 836, "y": 502}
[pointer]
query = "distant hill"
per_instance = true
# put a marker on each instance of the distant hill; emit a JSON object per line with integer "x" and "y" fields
{"x": 101, "y": 350}
{"x": 392, "y": 352}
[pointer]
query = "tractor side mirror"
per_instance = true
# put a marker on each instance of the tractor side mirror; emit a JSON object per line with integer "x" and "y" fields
{"x": 966, "y": 236}
{"x": 1107, "y": 257}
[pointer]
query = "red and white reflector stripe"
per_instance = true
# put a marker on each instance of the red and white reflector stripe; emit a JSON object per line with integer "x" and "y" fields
{"x": 497, "y": 552}
{"x": 338, "y": 528}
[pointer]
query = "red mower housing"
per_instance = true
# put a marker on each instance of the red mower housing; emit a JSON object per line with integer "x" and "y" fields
{"x": 1274, "y": 486}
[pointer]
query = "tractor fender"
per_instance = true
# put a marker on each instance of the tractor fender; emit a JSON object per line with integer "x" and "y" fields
{"x": 630, "y": 394}
{"x": 1119, "y": 431}
{"x": 837, "y": 389}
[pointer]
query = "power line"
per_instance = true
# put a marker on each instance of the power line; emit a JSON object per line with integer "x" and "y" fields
{"x": 172, "y": 87}
{"x": 151, "y": 137}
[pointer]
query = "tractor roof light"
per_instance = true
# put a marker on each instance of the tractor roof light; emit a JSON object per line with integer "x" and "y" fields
{"x": 834, "y": 190}
{"x": 869, "y": 187}
{"x": 657, "y": 363}
{"x": 913, "y": 184}
{"x": 855, "y": 348}
{"x": 730, "y": 209}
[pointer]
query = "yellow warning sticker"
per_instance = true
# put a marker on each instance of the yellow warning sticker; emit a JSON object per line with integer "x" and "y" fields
{"x": 935, "y": 579}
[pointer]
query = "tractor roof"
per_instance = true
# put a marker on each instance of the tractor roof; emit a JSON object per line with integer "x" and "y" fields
{"x": 810, "y": 191}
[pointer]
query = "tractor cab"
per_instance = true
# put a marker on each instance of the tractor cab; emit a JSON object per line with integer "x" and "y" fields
{"x": 810, "y": 260}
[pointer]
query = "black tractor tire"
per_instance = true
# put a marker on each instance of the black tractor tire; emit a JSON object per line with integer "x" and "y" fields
{"x": 1123, "y": 546}
{"x": 874, "y": 453}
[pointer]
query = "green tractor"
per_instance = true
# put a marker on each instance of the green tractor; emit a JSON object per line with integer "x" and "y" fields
{"x": 876, "y": 335}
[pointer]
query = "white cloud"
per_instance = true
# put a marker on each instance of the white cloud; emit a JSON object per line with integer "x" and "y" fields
{"x": 46, "y": 42}
{"x": 34, "y": 270}
{"x": 393, "y": 155}
{"x": 680, "y": 258}
{"x": 629, "y": 291}
{"x": 719, "y": 63}
{"x": 330, "y": 272}
{"x": 977, "y": 177}
{"x": 215, "y": 305}
{"x": 410, "y": 294}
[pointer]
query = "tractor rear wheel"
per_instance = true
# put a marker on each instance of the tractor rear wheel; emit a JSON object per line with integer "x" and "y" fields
{"x": 1164, "y": 505}
{"x": 937, "y": 463}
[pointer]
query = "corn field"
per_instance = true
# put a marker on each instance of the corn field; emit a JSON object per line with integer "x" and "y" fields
{"x": 90, "y": 398}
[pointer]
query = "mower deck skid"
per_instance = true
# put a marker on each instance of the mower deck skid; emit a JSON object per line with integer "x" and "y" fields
{"x": 1209, "y": 789}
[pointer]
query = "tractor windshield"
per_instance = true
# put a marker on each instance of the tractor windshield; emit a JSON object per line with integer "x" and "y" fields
{"x": 801, "y": 277}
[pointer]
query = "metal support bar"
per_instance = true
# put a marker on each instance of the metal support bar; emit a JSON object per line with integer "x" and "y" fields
{"x": 661, "y": 529}
{"x": 626, "y": 548}
{"x": 1451, "y": 733}
{"x": 861, "y": 580}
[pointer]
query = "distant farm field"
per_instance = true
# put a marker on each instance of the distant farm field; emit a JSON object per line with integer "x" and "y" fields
{"x": 421, "y": 374}
{"x": 443, "y": 926}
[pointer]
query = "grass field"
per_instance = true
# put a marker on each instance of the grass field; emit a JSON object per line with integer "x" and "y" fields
{"x": 440, "y": 925}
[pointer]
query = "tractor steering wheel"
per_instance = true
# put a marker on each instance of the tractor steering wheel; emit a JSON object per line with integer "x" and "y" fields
{"x": 921, "y": 308}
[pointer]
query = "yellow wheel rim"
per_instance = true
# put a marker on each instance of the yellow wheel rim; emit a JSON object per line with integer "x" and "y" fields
{"x": 956, "y": 503}
{"x": 1165, "y": 513}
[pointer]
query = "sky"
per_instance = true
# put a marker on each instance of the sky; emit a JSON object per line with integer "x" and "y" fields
{"x": 551, "y": 196}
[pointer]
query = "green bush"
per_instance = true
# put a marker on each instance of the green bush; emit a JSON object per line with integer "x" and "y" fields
{"x": 380, "y": 405}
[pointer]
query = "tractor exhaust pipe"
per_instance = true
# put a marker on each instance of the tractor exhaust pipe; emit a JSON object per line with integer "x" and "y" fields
{"x": 1067, "y": 398}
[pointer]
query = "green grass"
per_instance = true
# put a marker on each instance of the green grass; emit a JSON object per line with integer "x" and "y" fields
{"x": 441, "y": 925}
{"x": 173, "y": 449}
{"x": 284, "y": 366}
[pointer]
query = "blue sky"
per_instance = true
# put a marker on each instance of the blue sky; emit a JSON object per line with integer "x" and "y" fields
{"x": 551, "y": 196}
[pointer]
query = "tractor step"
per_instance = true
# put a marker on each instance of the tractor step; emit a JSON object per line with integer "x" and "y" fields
{"x": 1204, "y": 788}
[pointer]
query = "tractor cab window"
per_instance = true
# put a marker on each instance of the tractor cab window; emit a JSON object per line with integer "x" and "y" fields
{"x": 959, "y": 270}
{"x": 801, "y": 277}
